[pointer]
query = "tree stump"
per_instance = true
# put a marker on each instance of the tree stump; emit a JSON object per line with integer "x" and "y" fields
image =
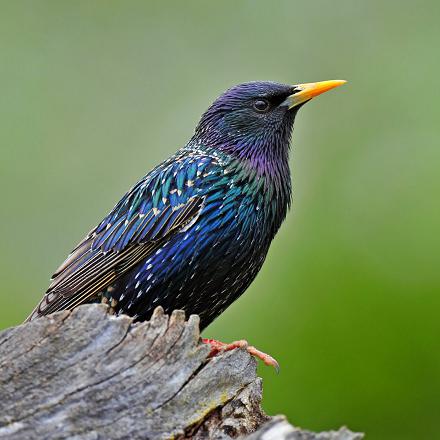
{"x": 88, "y": 375}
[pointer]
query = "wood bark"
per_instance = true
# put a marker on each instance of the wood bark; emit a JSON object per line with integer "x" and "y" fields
{"x": 88, "y": 375}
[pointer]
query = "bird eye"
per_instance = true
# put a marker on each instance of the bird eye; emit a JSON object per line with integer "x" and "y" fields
{"x": 261, "y": 105}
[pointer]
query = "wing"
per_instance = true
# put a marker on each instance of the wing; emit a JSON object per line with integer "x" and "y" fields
{"x": 164, "y": 202}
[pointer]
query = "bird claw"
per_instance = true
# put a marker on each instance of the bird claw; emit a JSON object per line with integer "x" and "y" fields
{"x": 220, "y": 347}
{"x": 266, "y": 358}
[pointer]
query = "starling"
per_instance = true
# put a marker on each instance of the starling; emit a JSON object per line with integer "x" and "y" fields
{"x": 194, "y": 232}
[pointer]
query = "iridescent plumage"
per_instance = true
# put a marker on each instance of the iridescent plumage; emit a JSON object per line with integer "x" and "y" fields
{"x": 194, "y": 232}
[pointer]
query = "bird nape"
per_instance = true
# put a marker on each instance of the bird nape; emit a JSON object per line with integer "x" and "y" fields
{"x": 193, "y": 233}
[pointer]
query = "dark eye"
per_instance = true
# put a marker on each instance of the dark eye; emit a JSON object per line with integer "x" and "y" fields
{"x": 261, "y": 105}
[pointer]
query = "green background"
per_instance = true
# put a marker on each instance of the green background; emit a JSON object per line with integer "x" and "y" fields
{"x": 94, "y": 94}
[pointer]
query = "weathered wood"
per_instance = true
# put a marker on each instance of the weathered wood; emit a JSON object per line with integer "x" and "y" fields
{"x": 89, "y": 375}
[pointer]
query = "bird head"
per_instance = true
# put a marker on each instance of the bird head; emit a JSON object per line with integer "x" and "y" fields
{"x": 256, "y": 118}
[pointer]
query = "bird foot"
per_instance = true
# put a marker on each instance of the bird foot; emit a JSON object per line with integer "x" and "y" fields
{"x": 220, "y": 347}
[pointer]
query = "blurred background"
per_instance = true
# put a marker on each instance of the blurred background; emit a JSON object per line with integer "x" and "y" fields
{"x": 94, "y": 94}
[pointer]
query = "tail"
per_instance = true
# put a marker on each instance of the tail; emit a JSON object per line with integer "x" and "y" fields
{"x": 35, "y": 314}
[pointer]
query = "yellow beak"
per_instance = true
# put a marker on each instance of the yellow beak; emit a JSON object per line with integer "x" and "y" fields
{"x": 310, "y": 90}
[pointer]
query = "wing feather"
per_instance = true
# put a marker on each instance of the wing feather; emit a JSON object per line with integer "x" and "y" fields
{"x": 134, "y": 229}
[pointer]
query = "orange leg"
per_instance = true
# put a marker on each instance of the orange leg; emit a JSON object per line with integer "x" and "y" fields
{"x": 219, "y": 347}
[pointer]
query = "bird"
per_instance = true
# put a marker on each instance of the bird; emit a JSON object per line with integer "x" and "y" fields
{"x": 194, "y": 232}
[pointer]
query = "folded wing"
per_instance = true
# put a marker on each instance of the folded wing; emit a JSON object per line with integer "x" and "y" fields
{"x": 159, "y": 206}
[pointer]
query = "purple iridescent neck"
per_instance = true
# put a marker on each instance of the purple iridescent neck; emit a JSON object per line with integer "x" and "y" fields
{"x": 265, "y": 150}
{"x": 256, "y": 137}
